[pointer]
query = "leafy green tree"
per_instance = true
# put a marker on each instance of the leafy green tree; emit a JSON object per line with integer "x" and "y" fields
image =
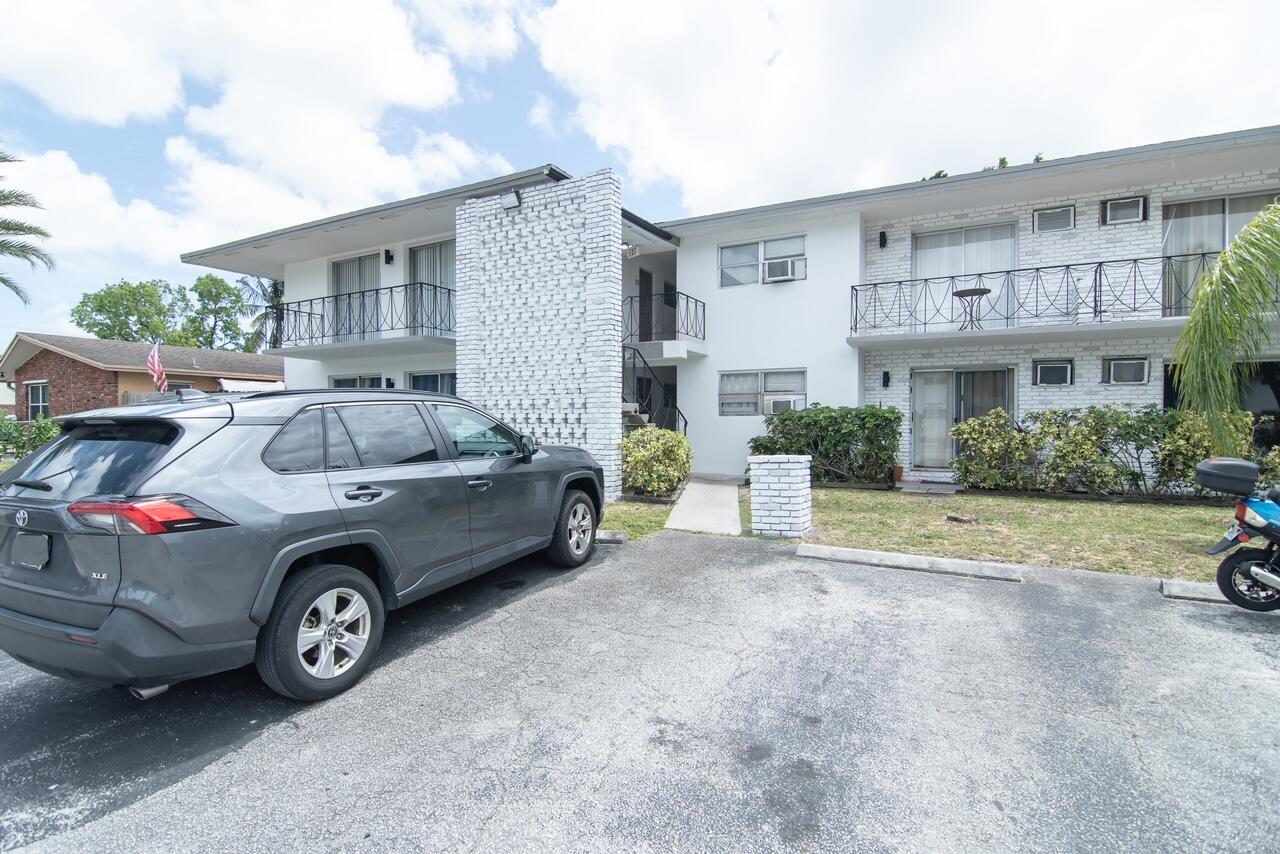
{"x": 1229, "y": 326}
{"x": 214, "y": 321}
{"x": 264, "y": 305}
{"x": 136, "y": 311}
{"x": 14, "y": 234}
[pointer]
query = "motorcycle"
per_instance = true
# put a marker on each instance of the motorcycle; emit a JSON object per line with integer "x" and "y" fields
{"x": 1250, "y": 576}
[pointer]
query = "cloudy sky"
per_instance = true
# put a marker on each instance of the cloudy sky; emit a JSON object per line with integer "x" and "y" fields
{"x": 153, "y": 128}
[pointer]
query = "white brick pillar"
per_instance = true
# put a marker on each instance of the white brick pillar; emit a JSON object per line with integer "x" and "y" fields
{"x": 539, "y": 313}
{"x": 781, "y": 495}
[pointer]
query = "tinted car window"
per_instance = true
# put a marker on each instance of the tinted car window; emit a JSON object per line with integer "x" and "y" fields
{"x": 299, "y": 446}
{"x": 342, "y": 453}
{"x": 389, "y": 434}
{"x": 97, "y": 460}
{"x": 475, "y": 435}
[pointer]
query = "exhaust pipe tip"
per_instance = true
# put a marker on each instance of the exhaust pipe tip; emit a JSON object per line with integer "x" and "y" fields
{"x": 148, "y": 693}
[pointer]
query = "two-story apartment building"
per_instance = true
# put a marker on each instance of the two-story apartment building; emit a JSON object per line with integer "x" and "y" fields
{"x": 1060, "y": 283}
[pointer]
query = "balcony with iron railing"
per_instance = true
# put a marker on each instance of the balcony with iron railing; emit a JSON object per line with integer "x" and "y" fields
{"x": 416, "y": 310}
{"x": 669, "y": 327}
{"x": 1063, "y": 295}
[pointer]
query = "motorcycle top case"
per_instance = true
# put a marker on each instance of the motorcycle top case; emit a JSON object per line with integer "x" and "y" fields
{"x": 1229, "y": 475}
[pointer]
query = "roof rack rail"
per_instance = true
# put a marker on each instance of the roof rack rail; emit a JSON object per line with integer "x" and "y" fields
{"x": 292, "y": 392}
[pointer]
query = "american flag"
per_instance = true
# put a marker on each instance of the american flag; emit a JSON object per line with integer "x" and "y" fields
{"x": 156, "y": 369}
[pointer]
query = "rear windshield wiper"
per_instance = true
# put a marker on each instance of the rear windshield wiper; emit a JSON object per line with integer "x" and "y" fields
{"x": 41, "y": 484}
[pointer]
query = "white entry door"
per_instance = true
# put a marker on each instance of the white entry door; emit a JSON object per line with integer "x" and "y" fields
{"x": 932, "y": 412}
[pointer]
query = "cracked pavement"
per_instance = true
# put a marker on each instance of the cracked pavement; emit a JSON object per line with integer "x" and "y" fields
{"x": 694, "y": 693}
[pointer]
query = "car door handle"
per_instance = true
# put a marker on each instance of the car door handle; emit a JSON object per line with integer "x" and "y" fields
{"x": 363, "y": 493}
{"x": 479, "y": 483}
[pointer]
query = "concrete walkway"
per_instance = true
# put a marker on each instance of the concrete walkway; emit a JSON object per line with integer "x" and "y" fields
{"x": 708, "y": 506}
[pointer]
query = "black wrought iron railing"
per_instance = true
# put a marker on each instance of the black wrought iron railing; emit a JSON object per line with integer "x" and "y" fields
{"x": 663, "y": 317}
{"x": 418, "y": 308}
{"x": 1135, "y": 289}
{"x": 641, "y": 386}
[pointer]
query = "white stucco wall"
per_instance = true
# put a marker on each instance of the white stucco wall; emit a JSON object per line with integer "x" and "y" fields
{"x": 539, "y": 310}
{"x": 800, "y": 324}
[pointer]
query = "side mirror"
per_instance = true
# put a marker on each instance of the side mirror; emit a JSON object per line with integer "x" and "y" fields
{"x": 528, "y": 445}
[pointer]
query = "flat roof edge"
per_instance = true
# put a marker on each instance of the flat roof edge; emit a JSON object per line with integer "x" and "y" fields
{"x": 485, "y": 187}
{"x": 1140, "y": 152}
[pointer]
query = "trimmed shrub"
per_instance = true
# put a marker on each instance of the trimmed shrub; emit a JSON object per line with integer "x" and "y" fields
{"x": 1100, "y": 450}
{"x": 848, "y": 444}
{"x": 994, "y": 452}
{"x": 655, "y": 461}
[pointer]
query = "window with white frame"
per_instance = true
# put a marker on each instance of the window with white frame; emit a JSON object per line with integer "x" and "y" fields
{"x": 1052, "y": 372}
{"x": 1125, "y": 370}
{"x": 37, "y": 400}
{"x": 762, "y": 392}
{"x": 1054, "y": 219}
{"x": 365, "y": 381}
{"x": 776, "y": 259}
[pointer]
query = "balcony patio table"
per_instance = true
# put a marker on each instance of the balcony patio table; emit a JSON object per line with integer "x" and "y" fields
{"x": 969, "y": 299}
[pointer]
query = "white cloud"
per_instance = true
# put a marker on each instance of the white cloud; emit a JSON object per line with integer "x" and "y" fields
{"x": 542, "y": 114}
{"x": 742, "y": 103}
{"x": 474, "y": 31}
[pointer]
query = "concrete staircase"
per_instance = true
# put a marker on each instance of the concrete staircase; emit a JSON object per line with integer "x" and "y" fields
{"x": 632, "y": 417}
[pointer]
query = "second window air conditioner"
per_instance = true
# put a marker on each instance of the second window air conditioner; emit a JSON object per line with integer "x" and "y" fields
{"x": 784, "y": 270}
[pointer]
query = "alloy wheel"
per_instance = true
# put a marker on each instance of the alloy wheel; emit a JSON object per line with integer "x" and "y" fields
{"x": 333, "y": 633}
{"x": 579, "y": 528}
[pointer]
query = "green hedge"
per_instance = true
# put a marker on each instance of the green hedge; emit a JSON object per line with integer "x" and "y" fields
{"x": 20, "y": 438}
{"x": 655, "y": 461}
{"x": 1101, "y": 450}
{"x": 854, "y": 445}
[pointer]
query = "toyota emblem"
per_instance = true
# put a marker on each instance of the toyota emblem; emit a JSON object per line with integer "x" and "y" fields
{"x": 21, "y": 518}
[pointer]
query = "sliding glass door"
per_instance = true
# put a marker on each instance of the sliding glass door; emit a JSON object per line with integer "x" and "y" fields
{"x": 959, "y": 259}
{"x": 1197, "y": 229}
{"x": 429, "y": 310}
{"x": 354, "y": 309}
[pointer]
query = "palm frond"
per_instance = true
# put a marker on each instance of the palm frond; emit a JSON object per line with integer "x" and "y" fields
{"x": 17, "y": 227}
{"x": 24, "y": 251}
{"x": 1230, "y": 325}
{"x": 6, "y": 157}
{"x": 17, "y": 199}
{"x": 17, "y": 289}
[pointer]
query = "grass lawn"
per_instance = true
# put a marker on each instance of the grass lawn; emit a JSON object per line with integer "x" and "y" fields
{"x": 637, "y": 518}
{"x": 1157, "y": 540}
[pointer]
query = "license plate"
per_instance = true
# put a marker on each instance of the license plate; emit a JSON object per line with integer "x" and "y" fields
{"x": 1232, "y": 533}
{"x": 29, "y": 551}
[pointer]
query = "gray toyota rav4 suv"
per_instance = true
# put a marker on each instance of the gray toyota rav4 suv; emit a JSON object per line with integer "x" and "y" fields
{"x": 164, "y": 541}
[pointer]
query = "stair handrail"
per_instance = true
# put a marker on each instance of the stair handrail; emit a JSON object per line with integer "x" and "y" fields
{"x": 670, "y": 418}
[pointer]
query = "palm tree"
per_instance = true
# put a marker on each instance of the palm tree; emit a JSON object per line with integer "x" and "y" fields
{"x": 1230, "y": 324}
{"x": 264, "y": 303}
{"x": 12, "y": 232}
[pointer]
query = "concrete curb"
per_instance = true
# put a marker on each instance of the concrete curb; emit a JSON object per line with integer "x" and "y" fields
{"x": 916, "y": 563}
{"x": 611, "y": 538}
{"x": 1194, "y": 591}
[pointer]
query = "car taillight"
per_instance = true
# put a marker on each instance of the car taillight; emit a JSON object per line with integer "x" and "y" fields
{"x": 156, "y": 514}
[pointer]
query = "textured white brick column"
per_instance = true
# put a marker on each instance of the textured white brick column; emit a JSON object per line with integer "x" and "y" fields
{"x": 539, "y": 314}
{"x": 781, "y": 495}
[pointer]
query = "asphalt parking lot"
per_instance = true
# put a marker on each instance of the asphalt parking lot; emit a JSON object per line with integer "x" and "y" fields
{"x": 695, "y": 693}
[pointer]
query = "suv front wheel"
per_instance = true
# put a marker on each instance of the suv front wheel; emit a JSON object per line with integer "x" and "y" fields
{"x": 575, "y": 535}
{"x": 323, "y": 633}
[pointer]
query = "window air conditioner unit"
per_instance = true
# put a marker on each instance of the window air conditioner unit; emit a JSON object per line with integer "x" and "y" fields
{"x": 784, "y": 270}
{"x": 783, "y": 404}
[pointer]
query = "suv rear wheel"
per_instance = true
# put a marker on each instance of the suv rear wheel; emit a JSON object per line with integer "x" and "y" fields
{"x": 323, "y": 633}
{"x": 574, "y": 538}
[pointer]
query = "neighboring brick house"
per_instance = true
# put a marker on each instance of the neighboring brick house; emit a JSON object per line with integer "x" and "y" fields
{"x": 54, "y": 375}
